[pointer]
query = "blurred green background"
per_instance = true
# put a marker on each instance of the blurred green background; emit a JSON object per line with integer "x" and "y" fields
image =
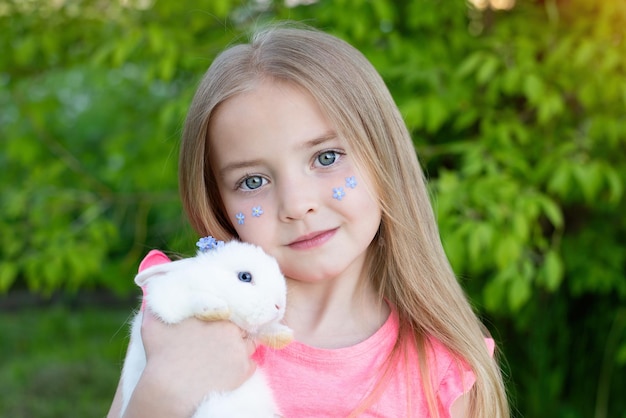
{"x": 517, "y": 109}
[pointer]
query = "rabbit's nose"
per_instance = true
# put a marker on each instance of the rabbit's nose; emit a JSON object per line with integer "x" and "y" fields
{"x": 277, "y": 307}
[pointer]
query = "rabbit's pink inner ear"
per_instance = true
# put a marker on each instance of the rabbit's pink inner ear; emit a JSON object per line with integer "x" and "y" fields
{"x": 153, "y": 258}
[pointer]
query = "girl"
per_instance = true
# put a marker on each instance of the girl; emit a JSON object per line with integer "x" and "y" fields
{"x": 294, "y": 143}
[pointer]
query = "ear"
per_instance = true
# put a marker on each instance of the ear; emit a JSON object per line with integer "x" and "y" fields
{"x": 142, "y": 278}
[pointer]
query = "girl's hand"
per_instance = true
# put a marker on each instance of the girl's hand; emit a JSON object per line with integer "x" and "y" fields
{"x": 185, "y": 361}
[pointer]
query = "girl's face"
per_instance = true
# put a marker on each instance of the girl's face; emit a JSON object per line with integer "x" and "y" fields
{"x": 289, "y": 184}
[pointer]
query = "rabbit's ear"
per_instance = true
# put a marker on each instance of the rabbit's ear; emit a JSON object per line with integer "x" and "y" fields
{"x": 160, "y": 269}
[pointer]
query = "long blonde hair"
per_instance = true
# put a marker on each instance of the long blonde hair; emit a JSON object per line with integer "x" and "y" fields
{"x": 407, "y": 261}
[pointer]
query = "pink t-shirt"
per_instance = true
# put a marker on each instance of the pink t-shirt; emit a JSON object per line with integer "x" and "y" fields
{"x": 314, "y": 382}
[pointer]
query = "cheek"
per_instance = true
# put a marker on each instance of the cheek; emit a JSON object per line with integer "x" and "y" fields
{"x": 352, "y": 189}
{"x": 360, "y": 200}
{"x": 359, "y": 203}
{"x": 250, "y": 217}
{"x": 349, "y": 187}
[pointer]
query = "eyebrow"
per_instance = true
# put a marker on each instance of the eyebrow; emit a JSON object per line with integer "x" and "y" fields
{"x": 328, "y": 136}
{"x": 237, "y": 165}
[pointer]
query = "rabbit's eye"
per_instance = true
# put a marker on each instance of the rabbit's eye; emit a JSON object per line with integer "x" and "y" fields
{"x": 244, "y": 276}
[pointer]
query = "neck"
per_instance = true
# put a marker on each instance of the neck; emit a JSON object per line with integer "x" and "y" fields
{"x": 334, "y": 313}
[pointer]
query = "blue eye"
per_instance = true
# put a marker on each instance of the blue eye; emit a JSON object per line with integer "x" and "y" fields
{"x": 245, "y": 277}
{"x": 252, "y": 182}
{"x": 327, "y": 158}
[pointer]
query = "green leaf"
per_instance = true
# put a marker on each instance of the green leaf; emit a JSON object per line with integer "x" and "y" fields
{"x": 533, "y": 88}
{"x": 551, "y": 106}
{"x": 508, "y": 251}
{"x": 470, "y": 64}
{"x": 385, "y": 11}
{"x": 488, "y": 69}
{"x": 436, "y": 112}
{"x": 553, "y": 270}
{"x": 511, "y": 80}
{"x": 521, "y": 227}
{"x": 589, "y": 178}
{"x": 413, "y": 111}
{"x": 620, "y": 357}
{"x": 156, "y": 38}
{"x": 584, "y": 54}
{"x": 519, "y": 293}
{"x": 456, "y": 251}
{"x": 494, "y": 294}
{"x": 560, "y": 182}
{"x": 616, "y": 186}
{"x": 551, "y": 210}
{"x": 8, "y": 274}
{"x": 480, "y": 239}
{"x": 25, "y": 50}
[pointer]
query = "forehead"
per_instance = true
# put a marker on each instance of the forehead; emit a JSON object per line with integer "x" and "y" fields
{"x": 271, "y": 117}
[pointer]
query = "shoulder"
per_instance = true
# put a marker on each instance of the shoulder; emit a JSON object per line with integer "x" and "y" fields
{"x": 452, "y": 376}
{"x": 446, "y": 368}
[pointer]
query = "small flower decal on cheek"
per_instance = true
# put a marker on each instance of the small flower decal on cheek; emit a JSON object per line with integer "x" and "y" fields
{"x": 257, "y": 211}
{"x": 338, "y": 193}
{"x": 240, "y": 218}
{"x": 351, "y": 182}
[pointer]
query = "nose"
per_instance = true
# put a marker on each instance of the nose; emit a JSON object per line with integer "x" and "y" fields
{"x": 297, "y": 199}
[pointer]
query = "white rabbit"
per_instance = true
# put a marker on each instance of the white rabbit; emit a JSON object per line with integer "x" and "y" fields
{"x": 235, "y": 281}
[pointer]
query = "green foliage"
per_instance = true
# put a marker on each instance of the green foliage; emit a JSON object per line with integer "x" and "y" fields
{"x": 92, "y": 106}
{"x": 518, "y": 117}
{"x": 63, "y": 362}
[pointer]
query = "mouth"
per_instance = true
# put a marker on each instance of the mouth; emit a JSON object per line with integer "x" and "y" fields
{"x": 312, "y": 240}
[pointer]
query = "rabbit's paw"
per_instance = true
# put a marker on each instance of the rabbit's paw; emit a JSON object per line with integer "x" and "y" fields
{"x": 215, "y": 314}
{"x": 276, "y": 336}
{"x": 208, "y": 307}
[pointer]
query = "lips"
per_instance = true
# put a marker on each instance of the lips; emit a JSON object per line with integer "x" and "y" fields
{"x": 312, "y": 240}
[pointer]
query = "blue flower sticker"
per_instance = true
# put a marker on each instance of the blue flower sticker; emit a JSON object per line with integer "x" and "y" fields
{"x": 240, "y": 217}
{"x": 351, "y": 182}
{"x": 338, "y": 193}
{"x": 208, "y": 243}
{"x": 257, "y": 211}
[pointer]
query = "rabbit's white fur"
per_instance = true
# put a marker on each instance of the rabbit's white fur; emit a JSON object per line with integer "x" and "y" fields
{"x": 208, "y": 287}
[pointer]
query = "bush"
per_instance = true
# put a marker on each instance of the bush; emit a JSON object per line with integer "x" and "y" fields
{"x": 517, "y": 115}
